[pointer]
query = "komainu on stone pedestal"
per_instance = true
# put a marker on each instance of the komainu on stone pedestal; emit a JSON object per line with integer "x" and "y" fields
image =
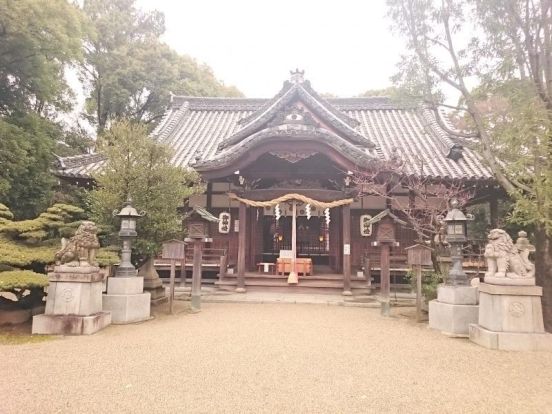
{"x": 74, "y": 301}
{"x": 508, "y": 263}
{"x": 81, "y": 249}
{"x": 510, "y": 309}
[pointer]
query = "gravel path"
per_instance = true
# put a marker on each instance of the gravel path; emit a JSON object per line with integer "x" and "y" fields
{"x": 271, "y": 358}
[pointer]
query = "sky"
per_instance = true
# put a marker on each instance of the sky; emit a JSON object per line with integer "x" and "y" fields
{"x": 345, "y": 47}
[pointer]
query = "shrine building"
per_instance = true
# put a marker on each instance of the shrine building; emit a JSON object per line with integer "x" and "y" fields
{"x": 280, "y": 178}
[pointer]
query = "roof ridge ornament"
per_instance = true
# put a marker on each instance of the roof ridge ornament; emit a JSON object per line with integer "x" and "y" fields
{"x": 297, "y": 76}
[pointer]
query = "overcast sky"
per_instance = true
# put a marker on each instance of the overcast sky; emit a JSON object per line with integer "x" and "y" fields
{"x": 345, "y": 47}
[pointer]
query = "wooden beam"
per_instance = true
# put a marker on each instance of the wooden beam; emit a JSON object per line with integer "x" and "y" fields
{"x": 316, "y": 194}
{"x": 293, "y": 278}
{"x": 196, "y": 275}
{"x": 385, "y": 276}
{"x": 242, "y": 247}
{"x": 346, "y": 223}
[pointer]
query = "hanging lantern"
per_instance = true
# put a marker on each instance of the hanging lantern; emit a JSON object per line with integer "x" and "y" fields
{"x": 224, "y": 222}
{"x": 365, "y": 225}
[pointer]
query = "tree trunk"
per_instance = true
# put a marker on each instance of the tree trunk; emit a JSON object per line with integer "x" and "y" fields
{"x": 543, "y": 258}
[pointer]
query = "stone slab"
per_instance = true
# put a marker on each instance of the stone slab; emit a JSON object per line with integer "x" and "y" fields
{"x": 128, "y": 308}
{"x": 75, "y": 277}
{"x": 452, "y": 319}
{"x": 14, "y": 316}
{"x": 510, "y": 290}
{"x": 510, "y": 341}
{"x": 125, "y": 285}
{"x": 458, "y": 295}
{"x": 74, "y": 298}
{"x": 70, "y": 324}
{"x": 509, "y": 312}
{"x": 506, "y": 281}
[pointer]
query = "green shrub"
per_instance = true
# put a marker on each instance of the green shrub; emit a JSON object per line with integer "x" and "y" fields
{"x": 22, "y": 279}
{"x": 27, "y": 286}
{"x": 430, "y": 283}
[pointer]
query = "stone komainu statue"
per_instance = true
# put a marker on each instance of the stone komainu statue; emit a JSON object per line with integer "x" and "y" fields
{"x": 80, "y": 250}
{"x": 506, "y": 259}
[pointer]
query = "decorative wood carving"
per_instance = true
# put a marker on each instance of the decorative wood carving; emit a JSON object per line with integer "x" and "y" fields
{"x": 293, "y": 157}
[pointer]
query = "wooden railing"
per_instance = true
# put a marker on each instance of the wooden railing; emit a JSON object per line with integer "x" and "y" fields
{"x": 210, "y": 259}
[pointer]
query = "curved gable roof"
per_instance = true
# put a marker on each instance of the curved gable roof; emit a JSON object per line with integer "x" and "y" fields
{"x": 203, "y": 130}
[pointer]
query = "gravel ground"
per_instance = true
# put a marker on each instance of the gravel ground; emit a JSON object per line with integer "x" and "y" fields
{"x": 271, "y": 358}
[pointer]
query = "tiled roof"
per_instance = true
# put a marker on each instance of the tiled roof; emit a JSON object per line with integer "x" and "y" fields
{"x": 198, "y": 129}
{"x": 80, "y": 166}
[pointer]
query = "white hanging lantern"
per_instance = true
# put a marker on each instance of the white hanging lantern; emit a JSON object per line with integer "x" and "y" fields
{"x": 327, "y": 216}
{"x": 224, "y": 222}
{"x": 365, "y": 225}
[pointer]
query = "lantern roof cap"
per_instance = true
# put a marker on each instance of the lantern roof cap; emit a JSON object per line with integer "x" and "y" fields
{"x": 418, "y": 246}
{"x": 385, "y": 213}
{"x": 455, "y": 215}
{"x": 204, "y": 214}
{"x": 128, "y": 210}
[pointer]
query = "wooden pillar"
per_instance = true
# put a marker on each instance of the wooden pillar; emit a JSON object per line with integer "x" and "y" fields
{"x": 346, "y": 223}
{"x": 196, "y": 276}
{"x": 241, "y": 248}
{"x": 292, "y": 278}
{"x": 385, "y": 278}
{"x": 493, "y": 212}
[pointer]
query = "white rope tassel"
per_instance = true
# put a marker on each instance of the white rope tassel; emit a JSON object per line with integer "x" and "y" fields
{"x": 308, "y": 211}
{"x": 327, "y": 216}
{"x": 277, "y": 212}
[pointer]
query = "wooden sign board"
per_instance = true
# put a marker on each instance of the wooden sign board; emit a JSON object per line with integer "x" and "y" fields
{"x": 386, "y": 231}
{"x": 174, "y": 249}
{"x": 419, "y": 255}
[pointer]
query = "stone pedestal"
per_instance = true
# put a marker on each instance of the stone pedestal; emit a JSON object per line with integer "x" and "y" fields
{"x": 126, "y": 299}
{"x": 152, "y": 283}
{"x": 454, "y": 310}
{"x": 74, "y": 303}
{"x": 510, "y": 318}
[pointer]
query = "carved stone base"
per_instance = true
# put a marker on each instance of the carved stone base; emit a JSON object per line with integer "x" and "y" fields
{"x": 506, "y": 281}
{"x": 510, "y": 318}
{"x": 454, "y": 310}
{"x": 510, "y": 341}
{"x": 73, "y": 303}
{"x": 126, "y": 300}
{"x": 70, "y": 324}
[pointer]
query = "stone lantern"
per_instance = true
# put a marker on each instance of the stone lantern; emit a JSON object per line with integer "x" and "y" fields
{"x": 128, "y": 215}
{"x": 456, "y": 223}
{"x": 125, "y": 297}
{"x": 456, "y": 306}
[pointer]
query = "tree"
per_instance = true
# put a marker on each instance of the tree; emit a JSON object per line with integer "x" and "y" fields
{"x": 38, "y": 38}
{"x": 26, "y": 145}
{"x": 423, "y": 203}
{"x": 503, "y": 78}
{"x": 141, "y": 168}
{"x": 131, "y": 73}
